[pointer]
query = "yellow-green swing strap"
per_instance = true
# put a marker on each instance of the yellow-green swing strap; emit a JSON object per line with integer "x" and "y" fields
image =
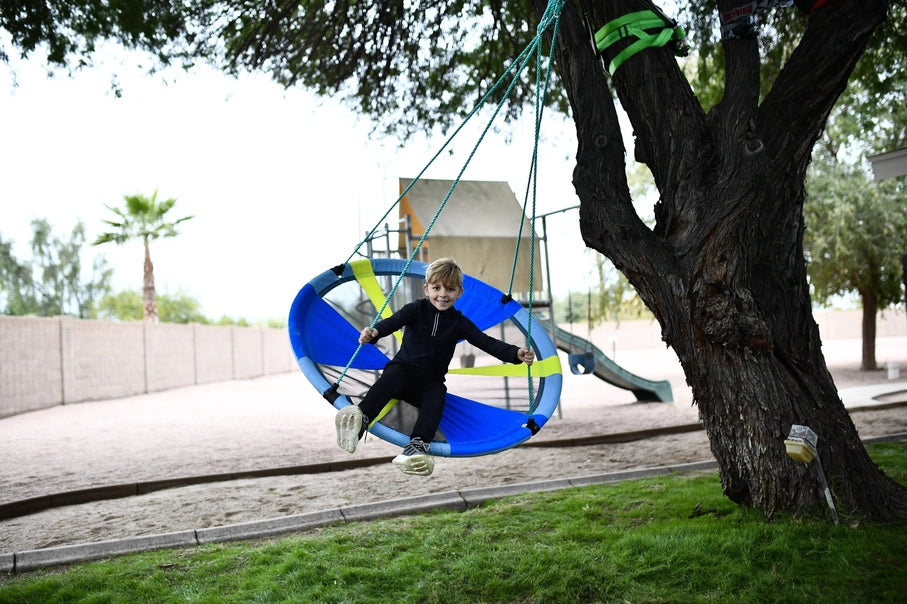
{"x": 650, "y": 30}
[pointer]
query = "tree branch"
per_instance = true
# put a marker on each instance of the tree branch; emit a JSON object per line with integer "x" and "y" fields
{"x": 734, "y": 116}
{"x": 810, "y": 83}
{"x": 608, "y": 221}
{"x": 668, "y": 122}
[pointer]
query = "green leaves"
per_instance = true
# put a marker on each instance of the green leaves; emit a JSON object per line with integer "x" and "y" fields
{"x": 856, "y": 232}
{"x": 411, "y": 66}
{"x": 54, "y": 282}
{"x": 142, "y": 218}
{"x": 71, "y": 30}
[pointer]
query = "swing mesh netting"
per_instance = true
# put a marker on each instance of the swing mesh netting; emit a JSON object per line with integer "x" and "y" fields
{"x": 480, "y": 411}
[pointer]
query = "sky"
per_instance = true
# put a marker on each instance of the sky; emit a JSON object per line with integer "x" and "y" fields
{"x": 282, "y": 185}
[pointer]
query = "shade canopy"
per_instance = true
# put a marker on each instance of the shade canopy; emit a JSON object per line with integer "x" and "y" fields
{"x": 479, "y": 227}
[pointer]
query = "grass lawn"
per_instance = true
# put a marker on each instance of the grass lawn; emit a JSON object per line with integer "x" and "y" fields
{"x": 665, "y": 539}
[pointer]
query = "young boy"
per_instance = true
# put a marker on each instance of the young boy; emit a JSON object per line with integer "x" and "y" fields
{"x": 416, "y": 373}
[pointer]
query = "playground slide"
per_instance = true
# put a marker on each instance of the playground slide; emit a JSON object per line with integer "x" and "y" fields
{"x": 606, "y": 369}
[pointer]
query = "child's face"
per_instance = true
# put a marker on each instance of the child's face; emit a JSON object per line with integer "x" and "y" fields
{"x": 442, "y": 296}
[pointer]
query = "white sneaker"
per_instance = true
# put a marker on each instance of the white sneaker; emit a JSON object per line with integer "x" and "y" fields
{"x": 349, "y": 422}
{"x": 415, "y": 459}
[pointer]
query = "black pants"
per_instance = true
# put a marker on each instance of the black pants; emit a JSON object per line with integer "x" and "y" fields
{"x": 404, "y": 383}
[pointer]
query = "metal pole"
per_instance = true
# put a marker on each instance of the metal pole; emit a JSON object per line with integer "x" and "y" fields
{"x": 552, "y": 324}
{"x": 824, "y": 483}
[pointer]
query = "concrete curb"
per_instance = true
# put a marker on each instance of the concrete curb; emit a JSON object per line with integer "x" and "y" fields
{"x": 866, "y": 397}
{"x": 13, "y": 509}
{"x": 451, "y": 500}
{"x": 267, "y": 528}
{"x": 68, "y": 554}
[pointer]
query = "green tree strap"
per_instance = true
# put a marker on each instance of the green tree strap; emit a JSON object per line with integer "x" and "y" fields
{"x": 636, "y": 24}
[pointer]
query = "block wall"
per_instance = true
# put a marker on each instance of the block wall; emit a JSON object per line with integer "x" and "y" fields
{"x": 213, "y": 353}
{"x": 170, "y": 354}
{"x": 101, "y": 359}
{"x": 31, "y": 367}
{"x": 58, "y": 360}
{"x": 247, "y": 352}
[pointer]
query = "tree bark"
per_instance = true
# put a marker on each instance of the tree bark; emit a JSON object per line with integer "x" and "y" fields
{"x": 904, "y": 275}
{"x": 723, "y": 268}
{"x": 870, "y": 309}
{"x": 149, "y": 302}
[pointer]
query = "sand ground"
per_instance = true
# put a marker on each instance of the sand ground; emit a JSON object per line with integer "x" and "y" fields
{"x": 281, "y": 421}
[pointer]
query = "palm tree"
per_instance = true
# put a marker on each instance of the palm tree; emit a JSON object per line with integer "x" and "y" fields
{"x": 142, "y": 218}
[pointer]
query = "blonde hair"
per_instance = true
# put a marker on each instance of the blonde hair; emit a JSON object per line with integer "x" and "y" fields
{"x": 445, "y": 271}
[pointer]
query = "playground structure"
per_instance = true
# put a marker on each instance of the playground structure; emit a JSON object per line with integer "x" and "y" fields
{"x": 478, "y": 230}
{"x": 585, "y": 358}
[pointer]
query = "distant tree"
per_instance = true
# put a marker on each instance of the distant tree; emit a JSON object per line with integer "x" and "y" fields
{"x": 616, "y": 300}
{"x": 227, "y": 320}
{"x": 53, "y": 282}
{"x": 180, "y": 308}
{"x": 572, "y": 309}
{"x": 127, "y": 306}
{"x": 143, "y": 218}
{"x": 16, "y": 286}
{"x": 855, "y": 232}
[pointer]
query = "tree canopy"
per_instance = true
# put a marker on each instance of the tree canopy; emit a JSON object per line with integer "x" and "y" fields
{"x": 870, "y": 113}
{"x": 71, "y": 32}
{"x": 418, "y": 65}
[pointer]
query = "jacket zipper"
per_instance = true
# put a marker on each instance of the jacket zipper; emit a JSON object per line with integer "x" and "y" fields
{"x": 434, "y": 328}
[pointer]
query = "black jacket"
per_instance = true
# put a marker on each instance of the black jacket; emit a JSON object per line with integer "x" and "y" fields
{"x": 431, "y": 335}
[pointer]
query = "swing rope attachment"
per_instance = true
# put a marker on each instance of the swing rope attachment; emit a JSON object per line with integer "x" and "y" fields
{"x": 651, "y": 30}
{"x": 550, "y": 21}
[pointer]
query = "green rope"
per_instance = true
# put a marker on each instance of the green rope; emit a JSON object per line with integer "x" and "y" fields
{"x": 551, "y": 15}
{"x": 517, "y": 66}
{"x": 636, "y": 24}
{"x": 532, "y": 181}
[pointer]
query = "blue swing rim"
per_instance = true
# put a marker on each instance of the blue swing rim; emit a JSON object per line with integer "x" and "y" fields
{"x": 547, "y": 396}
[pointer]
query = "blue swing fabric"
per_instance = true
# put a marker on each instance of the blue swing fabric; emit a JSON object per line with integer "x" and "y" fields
{"x": 329, "y": 312}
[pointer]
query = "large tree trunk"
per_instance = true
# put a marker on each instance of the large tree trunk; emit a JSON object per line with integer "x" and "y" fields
{"x": 723, "y": 269}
